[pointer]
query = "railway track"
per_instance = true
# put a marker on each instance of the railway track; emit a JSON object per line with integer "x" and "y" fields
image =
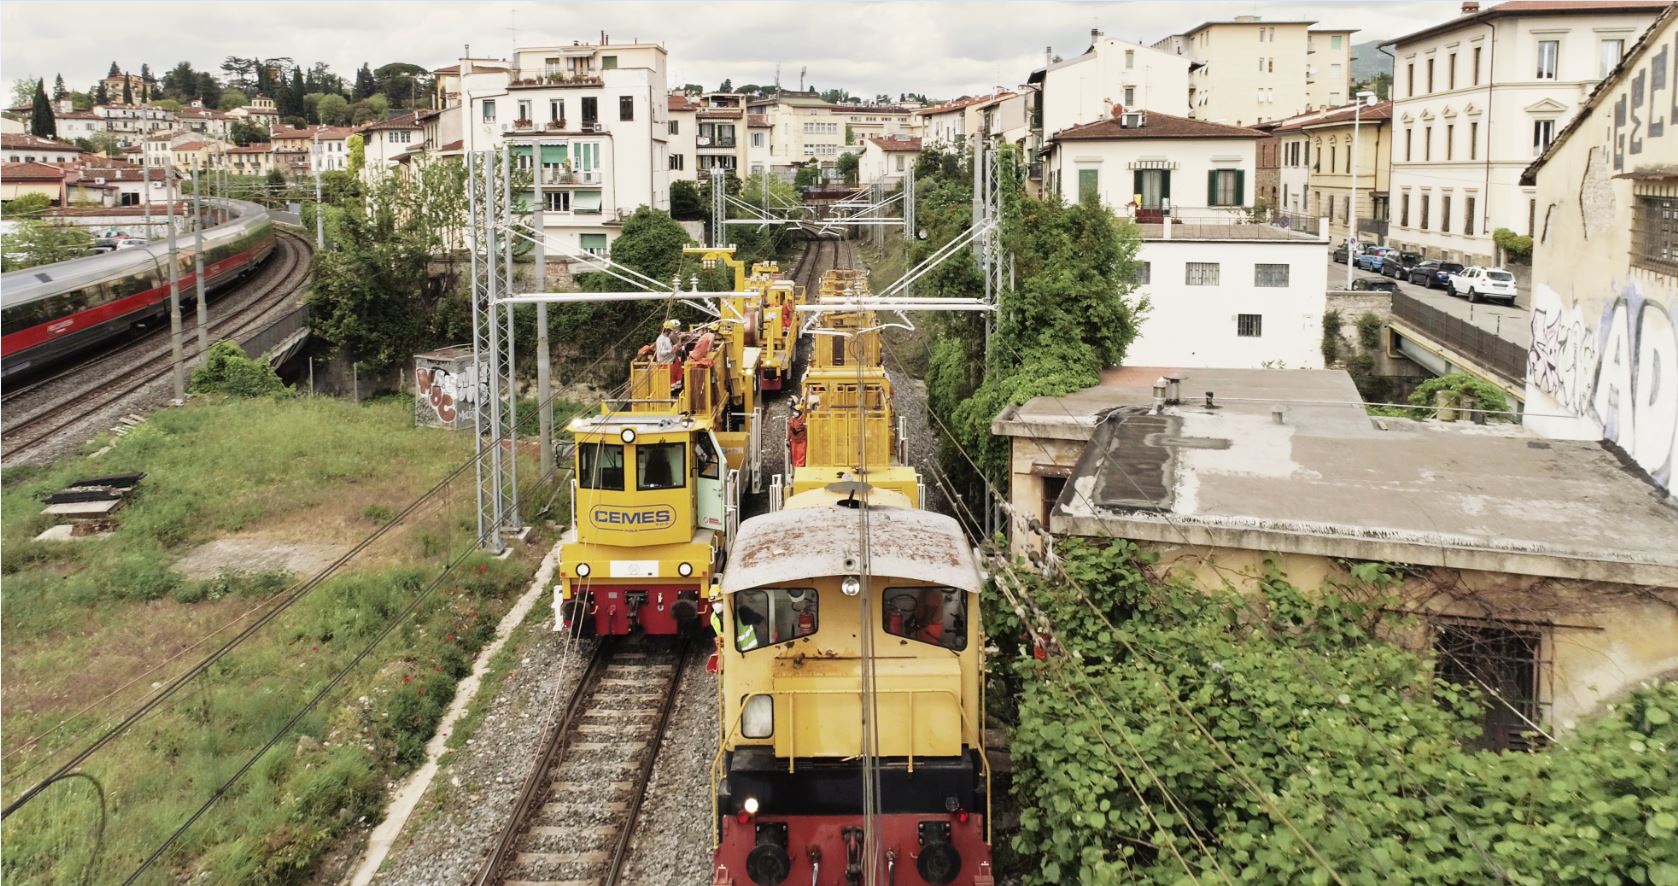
{"x": 36, "y": 413}
{"x": 574, "y": 817}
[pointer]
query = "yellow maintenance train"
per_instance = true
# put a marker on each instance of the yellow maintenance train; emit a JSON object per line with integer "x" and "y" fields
{"x": 850, "y": 656}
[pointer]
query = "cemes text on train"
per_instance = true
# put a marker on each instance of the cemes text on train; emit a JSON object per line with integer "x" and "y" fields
{"x": 659, "y": 472}
{"x": 850, "y": 656}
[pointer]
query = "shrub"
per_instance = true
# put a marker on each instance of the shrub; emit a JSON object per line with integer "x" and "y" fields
{"x": 1489, "y": 397}
{"x": 227, "y": 370}
{"x": 1369, "y": 332}
{"x": 1516, "y": 247}
{"x": 1331, "y": 337}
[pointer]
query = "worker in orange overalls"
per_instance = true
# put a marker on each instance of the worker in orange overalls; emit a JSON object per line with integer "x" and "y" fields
{"x": 797, "y": 434}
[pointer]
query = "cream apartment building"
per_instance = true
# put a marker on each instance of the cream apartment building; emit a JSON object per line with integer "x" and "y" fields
{"x": 799, "y": 127}
{"x": 593, "y": 117}
{"x": 682, "y": 136}
{"x": 1477, "y": 98}
{"x": 1249, "y": 70}
{"x": 1111, "y": 72}
{"x": 1317, "y": 159}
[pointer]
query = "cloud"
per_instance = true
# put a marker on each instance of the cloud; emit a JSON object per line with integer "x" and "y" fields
{"x": 943, "y": 49}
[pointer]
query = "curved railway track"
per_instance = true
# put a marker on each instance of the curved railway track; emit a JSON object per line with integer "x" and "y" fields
{"x": 575, "y": 814}
{"x": 36, "y": 413}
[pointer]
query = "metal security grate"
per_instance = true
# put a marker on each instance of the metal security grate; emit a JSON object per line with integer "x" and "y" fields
{"x": 1654, "y": 234}
{"x": 1249, "y": 325}
{"x": 1507, "y": 665}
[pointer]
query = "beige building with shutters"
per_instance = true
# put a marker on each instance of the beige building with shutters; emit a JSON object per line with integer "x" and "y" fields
{"x": 1250, "y": 70}
{"x": 1317, "y": 153}
{"x": 1477, "y": 98}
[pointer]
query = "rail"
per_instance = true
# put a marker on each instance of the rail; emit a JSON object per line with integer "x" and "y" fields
{"x": 266, "y": 339}
{"x": 1483, "y": 346}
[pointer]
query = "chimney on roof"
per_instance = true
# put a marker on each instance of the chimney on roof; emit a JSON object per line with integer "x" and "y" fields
{"x": 1469, "y": 7}
{"x": 1095, "y": 34}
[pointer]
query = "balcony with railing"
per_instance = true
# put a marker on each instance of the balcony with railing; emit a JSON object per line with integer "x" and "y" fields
{"x": 1483, "y": 346}
{"x": 549, "y": 77}
{"x": 725, "y": 142}
{"x": 559, "y": 178}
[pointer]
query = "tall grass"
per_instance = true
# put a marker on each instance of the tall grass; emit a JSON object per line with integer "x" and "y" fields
{"x": 82, "y": 618}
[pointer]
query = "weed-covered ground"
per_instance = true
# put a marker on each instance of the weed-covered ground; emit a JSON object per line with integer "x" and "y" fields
{"x": 94, "y": 627}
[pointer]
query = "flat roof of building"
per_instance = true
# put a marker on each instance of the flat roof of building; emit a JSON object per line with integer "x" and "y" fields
{"x": 1330, "y": 480}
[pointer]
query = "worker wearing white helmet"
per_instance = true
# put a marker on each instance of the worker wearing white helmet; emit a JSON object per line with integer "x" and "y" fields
{"x": 664, "y": 350}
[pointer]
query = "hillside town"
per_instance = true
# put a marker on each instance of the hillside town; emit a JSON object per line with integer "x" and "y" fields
{"x": 1295, "y": 402}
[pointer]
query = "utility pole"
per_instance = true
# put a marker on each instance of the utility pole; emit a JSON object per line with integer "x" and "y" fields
{"x": 320, "y": 214}
{"x": 175, "y": 294}
{"x": 202, "y": 308}
{"x": 544, "y": 387}
{"x": 145, "y": 165}
{"x": 1352, "y": 201}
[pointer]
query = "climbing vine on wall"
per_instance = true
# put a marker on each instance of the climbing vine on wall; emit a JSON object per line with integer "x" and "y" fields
{"x": 1181, "y": 733}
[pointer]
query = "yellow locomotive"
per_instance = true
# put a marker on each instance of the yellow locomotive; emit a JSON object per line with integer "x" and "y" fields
{"x": 851, "y": 664}
{"x": 658, "y": 475}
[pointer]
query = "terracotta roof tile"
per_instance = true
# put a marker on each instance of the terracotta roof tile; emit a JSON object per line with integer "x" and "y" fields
{"x": 898, "y": 144}
{"x": 1382, "y": 111}
{"x": 30, "y": 172}
{"x": 24, "y": 140}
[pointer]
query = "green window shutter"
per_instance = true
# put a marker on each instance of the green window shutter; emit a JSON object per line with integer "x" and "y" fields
{"x": 1211, "y": 187}
{"x": 1240, "y": 187}
{"x": 1089, "y": 184}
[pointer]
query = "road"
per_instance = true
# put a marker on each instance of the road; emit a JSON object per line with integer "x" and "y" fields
{"x": 1510, "y": 323}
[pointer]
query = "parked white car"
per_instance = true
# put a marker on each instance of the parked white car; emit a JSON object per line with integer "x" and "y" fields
{"x": 131, "y": 242}
{"x": 1493, "y": 284}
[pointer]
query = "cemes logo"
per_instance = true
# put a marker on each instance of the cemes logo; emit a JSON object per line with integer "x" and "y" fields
{"x": 633, "y": 519}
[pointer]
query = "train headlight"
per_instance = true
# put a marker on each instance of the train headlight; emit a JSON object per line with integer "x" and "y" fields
{"x": 684, "y": 570}
{"x": 851, "y": 586}
{"x": 628, "y": 435}
{"x": 750, "y": 805}
{"x": 757, "y": 720}
{"x": 582, "y": 570}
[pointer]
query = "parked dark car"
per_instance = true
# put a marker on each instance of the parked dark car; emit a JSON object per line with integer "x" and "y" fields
{"x": 1439, "y": 276}
{"x": 1339, "y": 254}
{"x": 1421, "y": 272}
{"x": 1398, "y": 265}
{"x": 1365, "y": 284}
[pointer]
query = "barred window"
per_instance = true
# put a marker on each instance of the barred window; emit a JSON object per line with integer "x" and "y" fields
{"x": 1201, "y": 273}
{"x": 1505, "y": 665}
{"x": 1654, "y": 234}
{"x": 1270, "y": 275}
{"x": 1144, "y": 273}
{"x": 1249, "y": 325}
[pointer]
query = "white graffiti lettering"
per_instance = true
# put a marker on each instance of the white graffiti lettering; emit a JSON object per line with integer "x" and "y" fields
{"x": 1620, "y": 373}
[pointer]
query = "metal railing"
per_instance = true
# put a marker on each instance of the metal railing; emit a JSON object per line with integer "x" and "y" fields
{"x": 264, "y": 340}
{"x": 1481, "y": 345}
{"x": 561, "y": 76}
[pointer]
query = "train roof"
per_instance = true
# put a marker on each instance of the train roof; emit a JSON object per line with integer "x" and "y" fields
{"x": 805, "y": 543}
{"x": 42, "y": 281}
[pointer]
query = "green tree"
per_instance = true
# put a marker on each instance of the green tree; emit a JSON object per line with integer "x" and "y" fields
{"x": 357, "y": 147}
{"x": 246, "y": 133}
{"x": 847, "y": 164}
{"x": 28, "y": 206}
{"x": 34, "y": 243}
{"x": 181, "y": 83}
{"x": 115, "y": 70}
{"x": 365, "y": 85}
{"x": 369, "y": 110}
{"x": 807, "y": 176}
{"x": 58, "y": 90}
{"x": 100, "y": 95}
{"x": 104, "y": 143}
{"x": 684, "y": 201}
{"x": 369, "y": 288}
{"x": 233, "y": 98}
{"x": 727, "y": 85}
{"x": 23, "y": 91}
{"x": 41, "y": 121}
{"x": 127, "y": 91}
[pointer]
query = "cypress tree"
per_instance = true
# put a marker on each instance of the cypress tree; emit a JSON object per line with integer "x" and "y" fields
{"x": 58, "y": 90}
{"x": 41, "y": 122}
{"x": 127, "y": 92}
{"x": 297, "y": 93}
{"x": 100, "y": 96}
{"x": 115, "y": 70}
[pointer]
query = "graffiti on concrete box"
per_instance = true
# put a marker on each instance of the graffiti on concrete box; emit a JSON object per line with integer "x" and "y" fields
{"x": 449, "y": 394}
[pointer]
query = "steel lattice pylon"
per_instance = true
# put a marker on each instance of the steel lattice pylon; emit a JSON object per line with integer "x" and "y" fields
{"x": 489, "y": 243}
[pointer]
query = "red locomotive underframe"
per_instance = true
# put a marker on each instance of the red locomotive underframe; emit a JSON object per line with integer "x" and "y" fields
{"x": 899, "y": 832}
{"x": 608, "y": 605}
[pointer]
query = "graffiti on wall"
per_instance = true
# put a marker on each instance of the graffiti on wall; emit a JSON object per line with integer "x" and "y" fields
{"x": 1619, "y": 370}
{"x": 1647, "y": 111}
{"x": 445, "y": 391}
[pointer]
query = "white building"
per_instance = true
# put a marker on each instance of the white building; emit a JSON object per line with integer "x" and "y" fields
{"x": 760, "y": 135}
{"x": 131, "y": 123}
{"x": 1111, "y": 72}
{"x": 1603, "y": 363}
{"x": 207, "y": 121}
{"x": 801, "y": 128}
{"x": 682, "y": 142}
{"x": 947, "y": 125}
{"x": 321, "y": 147}
{"x": 1162, "y": 163}
{"x": 1477, "y": 98}
{"x": 24, "y": 148}
{"x": 388, "y": 142}
{"x": 1250, "y": 70}
{"x": 884, "y": 160}
{"x": 599, "y": 114}
{"x": 73, "y": 124}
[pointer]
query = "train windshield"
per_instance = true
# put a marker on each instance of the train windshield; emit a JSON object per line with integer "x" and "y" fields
{"x": 936, "y": 616}
{"x": 600, "y": 465}
{"x": 767, "y": 616}
{"x": 661, "y": 466}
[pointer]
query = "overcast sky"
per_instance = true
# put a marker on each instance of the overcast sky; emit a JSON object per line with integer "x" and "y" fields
{"x": 943, "y": 49}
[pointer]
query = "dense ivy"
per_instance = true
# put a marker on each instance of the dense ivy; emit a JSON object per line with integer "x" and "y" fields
{"x": 1341, "y": 742}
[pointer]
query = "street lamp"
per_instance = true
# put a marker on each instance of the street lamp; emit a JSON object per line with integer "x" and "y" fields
{"x": 1358, "y": 102}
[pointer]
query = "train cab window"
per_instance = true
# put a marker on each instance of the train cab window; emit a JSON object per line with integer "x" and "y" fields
{"x": 600, "y": 466}
{"x": 660, "y": 466}
{"x": 937, "y": 616}
{"x": 768, "y": 616}
{"x": 706, "y": 458}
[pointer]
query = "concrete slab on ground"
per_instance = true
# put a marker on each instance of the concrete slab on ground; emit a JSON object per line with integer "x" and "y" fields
{"x": 255, "y": 554}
